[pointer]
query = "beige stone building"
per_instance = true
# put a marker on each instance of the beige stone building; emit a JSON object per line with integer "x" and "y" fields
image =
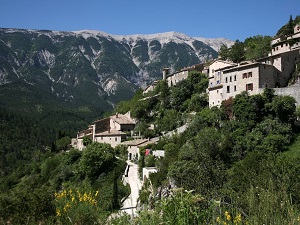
{"x": 110, "y": 130}
{"x": 134, "y": 147}
{"x": 174, "y": 78}
{"x": 227, "y": 79}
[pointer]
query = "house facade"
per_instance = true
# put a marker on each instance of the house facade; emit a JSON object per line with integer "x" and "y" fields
{"x": 227, "y": 79}
{"x": 174, "y": 78}
{"x": 134, "y": 147}
{"x": 110, "y": 130}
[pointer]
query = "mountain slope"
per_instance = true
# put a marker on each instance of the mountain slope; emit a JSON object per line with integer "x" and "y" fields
{"x": 89, "y": 69}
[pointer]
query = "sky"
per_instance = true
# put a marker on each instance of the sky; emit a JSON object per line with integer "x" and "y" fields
{"x": 232, "y": 19}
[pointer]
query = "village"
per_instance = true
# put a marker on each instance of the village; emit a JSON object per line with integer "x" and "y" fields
{"x": 226, "y": 79}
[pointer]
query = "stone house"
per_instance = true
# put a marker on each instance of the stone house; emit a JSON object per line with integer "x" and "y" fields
{"x": 174, "y": 78}
{"x": 110, "y": 130}
{"x": 227, "y": 79}
{"x": 134, "y": 147}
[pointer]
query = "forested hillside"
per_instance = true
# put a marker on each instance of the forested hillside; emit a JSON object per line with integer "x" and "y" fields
{"x": 42, "y": 184}
{"x": 232, "y": 165}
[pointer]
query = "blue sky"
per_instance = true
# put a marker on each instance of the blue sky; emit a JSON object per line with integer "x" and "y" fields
{"x": 233, "y": 19}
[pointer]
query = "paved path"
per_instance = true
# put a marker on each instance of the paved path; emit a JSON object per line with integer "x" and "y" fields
{"x": 135, "y": 185}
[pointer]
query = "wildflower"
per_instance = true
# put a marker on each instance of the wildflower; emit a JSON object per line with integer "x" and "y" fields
{"x": 67, "y": 206}
{"x": 228, "y": 217}
{"x": 238, "y": 219}
{"x": 58, "y": 212}
{"x": 218, "y": 219}
{"x": 94, "y": 202}
{"x": 96, "y": 194}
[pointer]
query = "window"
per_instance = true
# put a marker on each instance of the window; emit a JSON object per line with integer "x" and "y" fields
{"x": 249, "y": 87}
{"x": 230, "y": 79}
{"x": 101, "y": 138}
{"x": 226, "y": 80}
{"x": 244, "y": 75}
{"x": 116, "y": 139}
{"x": 249, "y": 74}
{"x": 228, "y": 89}
{"x": 234, "y": 88}
{"x": 234, "y": 77}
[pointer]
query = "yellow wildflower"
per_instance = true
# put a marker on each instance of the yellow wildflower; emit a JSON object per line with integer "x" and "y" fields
{"x": 58, "y": 212}
{"x": 238, "y": 219}
{"x": 67, "y": 206}
{"x": 218, "y": 219}
{"x": 228, "y": 217}
{"x": 96, "y": 194}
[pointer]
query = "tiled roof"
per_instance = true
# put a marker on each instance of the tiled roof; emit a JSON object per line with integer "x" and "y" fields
{"x": 110, "y": 133}
{"x": 135, "y": 142}
{"x": 122, "y": 119}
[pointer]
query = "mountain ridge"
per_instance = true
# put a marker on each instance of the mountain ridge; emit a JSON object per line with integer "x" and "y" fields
{"x": 93, "y": 67}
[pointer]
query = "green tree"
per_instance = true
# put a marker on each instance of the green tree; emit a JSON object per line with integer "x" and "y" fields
{"x": 96, "y": 159}
{"x": 284, "y": 107}
{"x": 257, "y": 47}
{"x": 243, "y": 110}
{"x": 237, "y": 52}
{"x": 224, "y": 52}
{"x": 86, "y": 140}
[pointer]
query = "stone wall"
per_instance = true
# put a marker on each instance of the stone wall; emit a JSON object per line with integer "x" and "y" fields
{"x": 293, "y": 91}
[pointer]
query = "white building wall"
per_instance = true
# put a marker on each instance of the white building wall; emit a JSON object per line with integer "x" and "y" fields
{"x": 147, "y": 171}
{"x": 80, "y": 145}
{"x": 177, "y": 77}
{"x": 216, "y": 96}
{"x": 114, "y": 125}
{"x": 112, "y": 140}
{"x": 133, "y": 152}
{"x": 217, "y": 65}
{"x": 237, "y": 82}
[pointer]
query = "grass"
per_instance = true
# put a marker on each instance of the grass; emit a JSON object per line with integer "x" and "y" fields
{"x": 294, "y": 149}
